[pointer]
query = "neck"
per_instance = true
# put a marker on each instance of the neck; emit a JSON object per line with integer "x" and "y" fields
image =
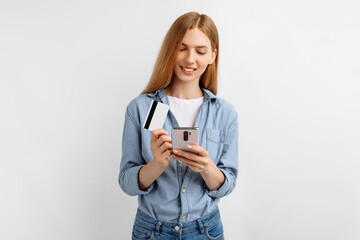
{"x": 184, "y": 90}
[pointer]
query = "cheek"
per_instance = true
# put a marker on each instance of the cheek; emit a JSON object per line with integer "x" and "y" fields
{"x": 205, "y": 60}
{"x": 203, "y": 63}
{"x": 179, "y": 57}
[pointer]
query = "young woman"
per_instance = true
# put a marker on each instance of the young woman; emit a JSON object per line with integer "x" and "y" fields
{"x": 178, "y": 191}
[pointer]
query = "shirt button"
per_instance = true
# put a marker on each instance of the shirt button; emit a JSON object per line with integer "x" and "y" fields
{"x": 183, "y": 217}
{"x": 177, "y": 228}
{"x": 183, "y": 190}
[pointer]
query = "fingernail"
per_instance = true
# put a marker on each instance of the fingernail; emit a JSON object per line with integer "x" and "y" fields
{"x": 175, "y": 151}
{"x": 189, "y": 146}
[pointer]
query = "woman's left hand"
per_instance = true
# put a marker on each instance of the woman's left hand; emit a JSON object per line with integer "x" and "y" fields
{"x": 197, "y": 162}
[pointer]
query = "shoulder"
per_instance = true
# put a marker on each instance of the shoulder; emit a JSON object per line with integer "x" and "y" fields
{"x": 219, "y": 103}
{"x": 224, "y": 104}
{"x": 139, "y": 106}
{"x": 139, "y": 101}
{"x": 225, "y": 108}
{"x": 221, "y": 110}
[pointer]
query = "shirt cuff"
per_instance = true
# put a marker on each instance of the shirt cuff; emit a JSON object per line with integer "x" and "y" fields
{"x": 221, "y": 192}
{"x": 132, "y": 185}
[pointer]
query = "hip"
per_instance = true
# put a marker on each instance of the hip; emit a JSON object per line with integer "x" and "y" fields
{"x": 207, "y": 227}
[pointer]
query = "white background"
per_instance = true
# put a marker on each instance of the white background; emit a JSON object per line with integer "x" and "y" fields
{"x": 69, "y": 68}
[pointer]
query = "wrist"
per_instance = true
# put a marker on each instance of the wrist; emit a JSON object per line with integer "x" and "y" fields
{"x": 210, "y": 168}
{"x": 161, "y": 164}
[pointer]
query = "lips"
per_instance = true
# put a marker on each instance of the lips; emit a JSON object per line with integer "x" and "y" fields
{"x": 187, "y": 69}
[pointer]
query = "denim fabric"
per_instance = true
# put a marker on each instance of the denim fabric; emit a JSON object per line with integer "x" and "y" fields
{"x": 208, "y": 227}
{"x": 179, "y": 194}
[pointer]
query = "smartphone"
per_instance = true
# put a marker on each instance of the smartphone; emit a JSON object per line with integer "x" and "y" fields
{"x": 182, "y": 136}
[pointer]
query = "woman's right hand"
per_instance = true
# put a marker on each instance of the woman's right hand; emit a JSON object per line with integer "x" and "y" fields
{"x": 161, "y": 147}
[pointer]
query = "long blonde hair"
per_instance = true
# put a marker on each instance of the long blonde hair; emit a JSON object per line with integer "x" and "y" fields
{"x": 164, "y": 67}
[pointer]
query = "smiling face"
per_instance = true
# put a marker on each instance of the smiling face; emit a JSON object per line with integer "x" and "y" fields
{"x": 193, "y": 57}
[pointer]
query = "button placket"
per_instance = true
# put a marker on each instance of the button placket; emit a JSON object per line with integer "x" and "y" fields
{"x": 183, "y": 196}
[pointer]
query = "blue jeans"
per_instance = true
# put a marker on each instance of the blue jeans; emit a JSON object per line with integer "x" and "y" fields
{"x": 208, "y": 227}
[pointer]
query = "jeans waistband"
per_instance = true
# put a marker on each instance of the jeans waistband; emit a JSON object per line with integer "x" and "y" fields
{"x": 177, "y": 228}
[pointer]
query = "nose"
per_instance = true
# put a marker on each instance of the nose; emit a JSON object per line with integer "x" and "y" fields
{"x": 190, "y": 57}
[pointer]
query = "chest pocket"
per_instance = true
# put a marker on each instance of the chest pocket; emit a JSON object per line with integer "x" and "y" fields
{"x": 215, "y": 143}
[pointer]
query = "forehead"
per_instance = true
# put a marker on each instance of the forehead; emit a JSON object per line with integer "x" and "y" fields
{"x": 196, "y": 38}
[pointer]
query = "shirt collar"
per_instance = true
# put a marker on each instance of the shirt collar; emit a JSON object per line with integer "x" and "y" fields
{"x": 158, "y": 94}
{"x": 208, "y": 95}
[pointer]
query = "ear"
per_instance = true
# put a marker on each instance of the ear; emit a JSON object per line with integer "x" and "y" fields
{"x": 213, "y": 56}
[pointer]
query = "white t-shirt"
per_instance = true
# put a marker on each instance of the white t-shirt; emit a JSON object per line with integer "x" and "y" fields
{"x": 185, "y": 110}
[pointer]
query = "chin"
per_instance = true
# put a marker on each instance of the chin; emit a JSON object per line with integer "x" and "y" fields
{"x": 187, "y": 79}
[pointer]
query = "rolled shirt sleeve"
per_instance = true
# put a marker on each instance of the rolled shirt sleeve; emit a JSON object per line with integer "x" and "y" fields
{"x": 131, "y": 160}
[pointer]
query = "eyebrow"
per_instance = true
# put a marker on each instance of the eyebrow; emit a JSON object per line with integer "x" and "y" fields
{"x": 200, "y": 46}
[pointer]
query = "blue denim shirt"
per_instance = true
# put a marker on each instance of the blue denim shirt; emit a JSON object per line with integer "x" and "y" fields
{"x": 179, "y": 194}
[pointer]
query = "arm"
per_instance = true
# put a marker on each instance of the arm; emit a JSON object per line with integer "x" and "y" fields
{"x": 131, "y": 159}
{"x": 136, "y": 177}
{"x": 213, "y": 177}
{"x": 220, "y": 178}
{"x": 161, "y": 148}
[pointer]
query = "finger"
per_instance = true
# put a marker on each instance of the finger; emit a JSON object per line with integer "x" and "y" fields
{"x": 197, "y": 148}
{"x": 162, "y": 139}
{"x": 187, "y": 154}
{"x": 165, "y": 146}
{"x": 177, "y": 157}
{"x": 166, "y": 153}
{"x": 185, "y": 159}
{"x": 194, "y": 167}
{"x": 193, "y": 159}
{"x": 188, "y": 162}
{"x": 156, "y": 133}
{"x": 165, "y": 138}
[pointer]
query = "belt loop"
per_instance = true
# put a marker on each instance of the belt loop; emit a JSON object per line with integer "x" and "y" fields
{"x": 201, "y": 227}
{"x": 157, "y": 228}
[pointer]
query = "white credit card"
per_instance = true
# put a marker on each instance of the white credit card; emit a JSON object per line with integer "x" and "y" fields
{"x": 156, "y": 115}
